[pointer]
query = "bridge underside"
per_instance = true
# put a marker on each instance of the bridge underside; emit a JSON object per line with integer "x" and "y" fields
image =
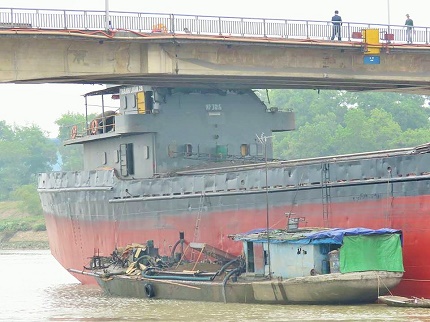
{"x": 243, "y": 82}
{"x": 216, "y": 62}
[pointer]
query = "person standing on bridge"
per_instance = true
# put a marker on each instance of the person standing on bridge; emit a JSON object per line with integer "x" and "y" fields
{"x": 336, "y": 20}
{"x": 409, "y": 23}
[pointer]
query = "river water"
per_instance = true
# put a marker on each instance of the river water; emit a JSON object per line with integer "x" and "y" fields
{"x": 34, "y": 287}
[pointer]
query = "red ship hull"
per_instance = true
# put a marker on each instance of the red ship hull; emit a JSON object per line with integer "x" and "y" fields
{"x": 72, "y": 242}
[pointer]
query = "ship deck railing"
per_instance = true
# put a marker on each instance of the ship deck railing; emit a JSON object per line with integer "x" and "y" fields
{"x": 308, "y": 161}
{"x": 96, "y": 126}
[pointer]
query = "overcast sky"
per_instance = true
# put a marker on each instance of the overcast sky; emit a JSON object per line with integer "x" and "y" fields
{"x": 43, "y": 104}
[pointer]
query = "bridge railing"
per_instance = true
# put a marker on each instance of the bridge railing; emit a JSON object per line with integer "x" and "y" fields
{"x": 139, "y": 22}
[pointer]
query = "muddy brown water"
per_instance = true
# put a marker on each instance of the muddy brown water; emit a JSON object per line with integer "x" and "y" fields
{"x": 34, "y": 287}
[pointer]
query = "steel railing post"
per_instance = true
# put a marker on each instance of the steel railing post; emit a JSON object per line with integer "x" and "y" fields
{"x": 307, "y": 29}
{"x": 264, "y": 28}
{"x": 242, "y": 27}
{"x": 427, "y": 38}
{"x": 349, "y": 31}
{"x": 219, "y": 26}
{"x": 65, "y": 19}
{"x": 37, "y": 20}
{"x": 172, "y": 24}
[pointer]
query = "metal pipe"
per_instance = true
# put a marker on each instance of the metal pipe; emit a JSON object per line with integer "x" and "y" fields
{"x": 107, "y": 17}
{"x": 103, "y": 115}
{"x": 82, "y": 272}
{"x": 267, "y": 208}
{"x": 388, "y": 10}
{"x": 224, "y": 282}
{"x": 86, "y": 117}
{"x": 179, "y": 278}
{"x": 224, "y": 267}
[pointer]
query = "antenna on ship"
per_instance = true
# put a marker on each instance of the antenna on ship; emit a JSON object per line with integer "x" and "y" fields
{"x": 263, "y": 141}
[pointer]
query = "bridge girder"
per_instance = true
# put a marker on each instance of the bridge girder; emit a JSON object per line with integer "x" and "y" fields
{"x": 192, "y": 61}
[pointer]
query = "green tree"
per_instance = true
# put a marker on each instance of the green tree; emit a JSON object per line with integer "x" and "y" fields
{"x": 338, "y": 122}
{"x": 413, "y": 137}
{"x": 362, "y": 133}
{"x": 310, "y": 140}
{"x": 308, "y": 104}
{"x": 28, "y": 198}
{"x": 71, "y": 155}
{"x": 24, "y": 152}
{"x": 408, "y": 110}
{"x": 40, "y": 151}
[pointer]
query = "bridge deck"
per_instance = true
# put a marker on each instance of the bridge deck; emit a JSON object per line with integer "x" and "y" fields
{"x": 57, "y": 46}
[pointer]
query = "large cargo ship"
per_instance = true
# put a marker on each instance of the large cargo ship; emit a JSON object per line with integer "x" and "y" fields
{"x": 199, "y": 162}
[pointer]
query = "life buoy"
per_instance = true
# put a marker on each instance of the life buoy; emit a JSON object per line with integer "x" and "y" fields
{"x": 149, "y": 290}
{"x": 74, "y": 132}
{"x": 93, "y": 127}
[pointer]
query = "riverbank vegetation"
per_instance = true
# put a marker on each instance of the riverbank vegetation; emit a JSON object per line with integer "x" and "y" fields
{"x": 20, "y": 229}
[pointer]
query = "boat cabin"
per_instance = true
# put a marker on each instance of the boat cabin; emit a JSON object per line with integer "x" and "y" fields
{"x": 306, "y": 252}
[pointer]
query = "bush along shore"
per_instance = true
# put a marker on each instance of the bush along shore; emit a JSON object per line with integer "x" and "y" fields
{"x": 24, "y": 240}
{"x": 20, "y": 230}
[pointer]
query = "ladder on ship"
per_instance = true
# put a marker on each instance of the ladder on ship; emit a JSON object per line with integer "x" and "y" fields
{"x": 198, "y": 219}
{"x": 325, "y": 192}
{"x": 77, "y": 234}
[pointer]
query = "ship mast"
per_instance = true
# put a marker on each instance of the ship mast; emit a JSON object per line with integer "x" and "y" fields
{"x": 263, "y": 140}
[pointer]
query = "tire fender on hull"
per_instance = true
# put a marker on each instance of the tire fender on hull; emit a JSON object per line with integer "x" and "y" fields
{"x": 149, "y": 290}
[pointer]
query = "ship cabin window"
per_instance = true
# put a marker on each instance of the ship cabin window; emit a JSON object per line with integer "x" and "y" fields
{"x": 145, "y": 152}
{"x": 188, "y": 150}
{"x": 104, "y": 158}
{"x": 130, "y": 101}
{"x": 123, "y": 101}
{"x": 126, "y": 159}
{"x": 116, "y": 156}
{"x": 244, "y": 150}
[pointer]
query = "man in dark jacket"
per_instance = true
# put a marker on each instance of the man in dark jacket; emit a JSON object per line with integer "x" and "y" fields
{"x": 336, "y": 20}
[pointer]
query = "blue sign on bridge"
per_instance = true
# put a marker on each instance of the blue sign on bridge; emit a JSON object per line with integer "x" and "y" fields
{"x": 372, "y": 60}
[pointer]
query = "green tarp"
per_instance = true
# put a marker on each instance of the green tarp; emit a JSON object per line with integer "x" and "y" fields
{"x": 371, "y": 252}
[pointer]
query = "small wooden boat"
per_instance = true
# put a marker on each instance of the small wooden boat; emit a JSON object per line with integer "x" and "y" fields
{"x": 401, "y": 301}
{"x": 300, "y": 266}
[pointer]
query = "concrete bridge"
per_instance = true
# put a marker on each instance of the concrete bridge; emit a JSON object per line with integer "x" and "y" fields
{"x": 57, "y": 46}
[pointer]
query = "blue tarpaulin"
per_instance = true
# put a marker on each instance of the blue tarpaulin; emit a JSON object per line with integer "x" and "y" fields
{"x": 313, "y": 236}
{"x": 336, "y": 235}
